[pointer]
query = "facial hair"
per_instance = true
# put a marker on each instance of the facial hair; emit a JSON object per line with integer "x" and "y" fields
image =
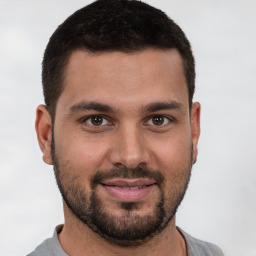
{"x": 127, "y": 229}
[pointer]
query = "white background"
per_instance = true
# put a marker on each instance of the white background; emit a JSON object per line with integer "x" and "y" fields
{"x": 220, "y": 204}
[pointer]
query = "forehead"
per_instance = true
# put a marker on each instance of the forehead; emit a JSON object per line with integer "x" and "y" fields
{"x": 119, "y": 78}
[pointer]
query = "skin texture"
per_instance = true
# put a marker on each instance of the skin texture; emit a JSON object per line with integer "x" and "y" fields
{"x": 131, "y": 85}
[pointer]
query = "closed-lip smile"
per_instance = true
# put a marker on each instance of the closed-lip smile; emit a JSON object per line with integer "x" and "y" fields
{"x": 128, "y": 190}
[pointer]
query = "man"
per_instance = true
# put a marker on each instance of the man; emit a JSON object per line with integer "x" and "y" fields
{"x": 121, "y": 130}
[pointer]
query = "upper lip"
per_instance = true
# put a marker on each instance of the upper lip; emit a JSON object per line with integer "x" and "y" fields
{"x": 128, "y": 182}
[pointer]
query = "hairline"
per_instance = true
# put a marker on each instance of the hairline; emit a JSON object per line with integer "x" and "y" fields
{"x": 65, "y": 58}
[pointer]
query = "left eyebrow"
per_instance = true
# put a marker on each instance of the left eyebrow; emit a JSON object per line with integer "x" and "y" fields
{"x": 158, "y": 106}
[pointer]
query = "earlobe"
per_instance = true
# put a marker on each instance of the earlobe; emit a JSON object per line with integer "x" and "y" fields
{"x": 195, "y": 127}
{"x": 43, "y": 127}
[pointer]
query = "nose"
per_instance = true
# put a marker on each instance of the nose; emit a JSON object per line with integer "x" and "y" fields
{"x": 129, "y": 148}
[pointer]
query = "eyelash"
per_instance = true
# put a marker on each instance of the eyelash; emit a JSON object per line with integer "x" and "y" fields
{"x": 166, "y": 120}
{"x": 89, "y": 118}
{"x": 105, "y": 119}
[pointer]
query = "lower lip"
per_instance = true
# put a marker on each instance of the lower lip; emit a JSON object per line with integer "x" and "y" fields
{"x": 128, "y": 195}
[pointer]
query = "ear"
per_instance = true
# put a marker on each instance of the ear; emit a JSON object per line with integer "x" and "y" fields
{"x": 43, "y": 127}
{"x": 195, "y": 127}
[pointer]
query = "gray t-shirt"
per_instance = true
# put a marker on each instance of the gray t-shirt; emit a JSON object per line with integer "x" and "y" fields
{"x": 195, "y": 247}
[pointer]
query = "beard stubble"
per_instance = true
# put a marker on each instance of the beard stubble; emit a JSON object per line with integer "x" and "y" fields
{"x": 128, "y": 229}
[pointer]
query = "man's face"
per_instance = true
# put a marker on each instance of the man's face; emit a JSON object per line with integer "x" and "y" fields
{"x": 124, "y": 142}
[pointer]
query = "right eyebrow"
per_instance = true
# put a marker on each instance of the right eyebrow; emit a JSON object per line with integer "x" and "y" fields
{"x": 85, "y": 106}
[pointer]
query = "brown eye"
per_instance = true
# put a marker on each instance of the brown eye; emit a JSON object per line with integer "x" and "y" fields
{"x": 96, "y": 120}
{"x": 158, "y": 120}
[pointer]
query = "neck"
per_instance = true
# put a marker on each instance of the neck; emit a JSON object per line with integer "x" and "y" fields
{"x": 76, "y": 239}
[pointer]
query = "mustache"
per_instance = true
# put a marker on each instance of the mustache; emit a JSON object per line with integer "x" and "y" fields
{"x": 126, "y": 173}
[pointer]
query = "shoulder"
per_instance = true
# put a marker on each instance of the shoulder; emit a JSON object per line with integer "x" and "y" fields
{"x": 43, "y": 249}
{"x": 50, "y": 246}
{"x": 198, "y": 247}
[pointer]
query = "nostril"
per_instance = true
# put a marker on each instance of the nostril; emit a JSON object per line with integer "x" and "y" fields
{"x": 130, "y": 151}
{"x": 141, "y": 165}
{"x": 119, "y": 165}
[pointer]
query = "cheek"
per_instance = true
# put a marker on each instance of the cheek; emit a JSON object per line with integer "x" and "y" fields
{"x": 172, "y": 152}
{"x": 174, "y": 161}
{"x": 86, "y": 154}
